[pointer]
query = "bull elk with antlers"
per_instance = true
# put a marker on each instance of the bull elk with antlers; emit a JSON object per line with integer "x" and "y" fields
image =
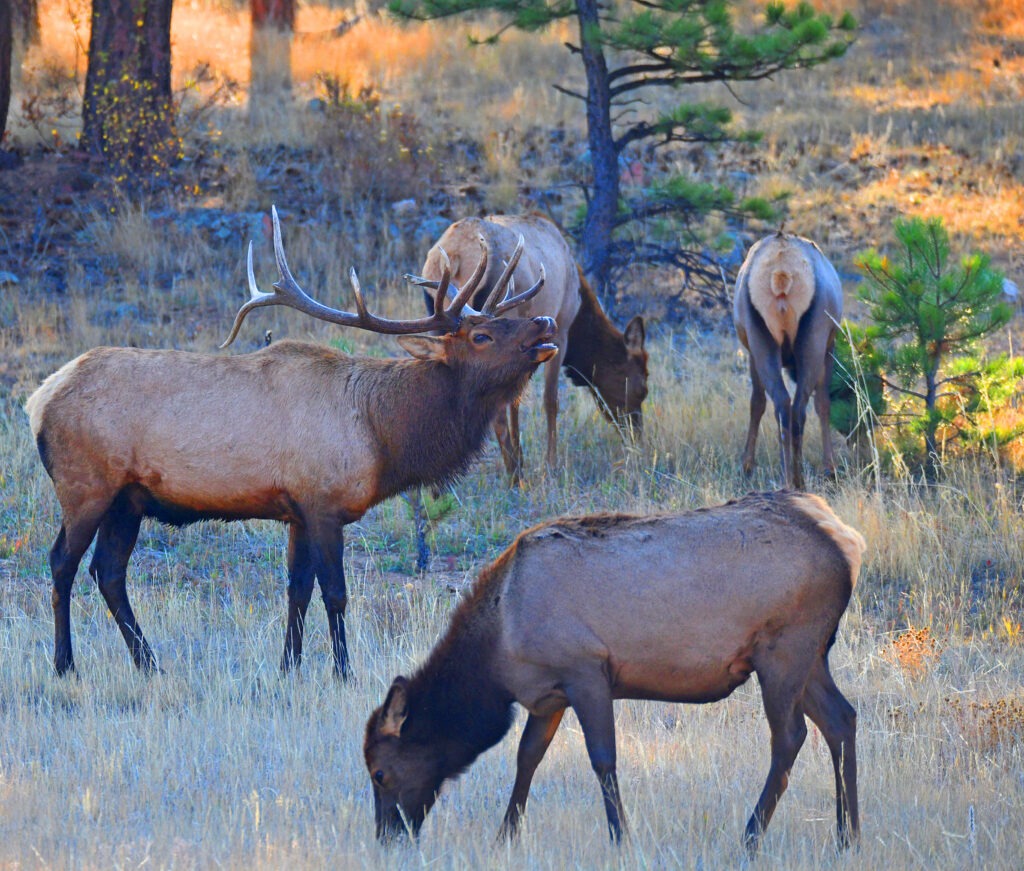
{"x": 593, "y": 351}
{"x": 787, "y": 307}
{"x": 296, "y": 432}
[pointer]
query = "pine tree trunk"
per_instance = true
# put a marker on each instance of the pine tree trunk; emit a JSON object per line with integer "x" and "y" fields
{"x": 604, "y": 157}
{"x": 6, "y": 45}
{"x": 273, "y": 13}
{"x": 270, "y": 54}
{"x": 128, "y": 111}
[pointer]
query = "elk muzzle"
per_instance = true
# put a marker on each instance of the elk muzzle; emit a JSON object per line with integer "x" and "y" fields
{"x": 542, "y": 349}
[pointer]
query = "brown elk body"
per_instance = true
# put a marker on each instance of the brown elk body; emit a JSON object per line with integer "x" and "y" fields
{"x": 593, "y": 351}
{"x": 675, "y": 607}
{"x": 296, "y": 432}
{"x": 786, "y": 310}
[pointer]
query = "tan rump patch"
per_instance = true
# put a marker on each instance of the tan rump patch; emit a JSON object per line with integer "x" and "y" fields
{"x": 847, "y": 539}
{"x": 781, "y": 285}
{"x": 38, "y": 401}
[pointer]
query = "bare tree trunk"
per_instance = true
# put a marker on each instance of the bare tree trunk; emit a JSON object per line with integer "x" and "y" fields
{"x": 270, "y": 53}
{"x": 6, "y": 46}
{"x": 128, "y": 110}
{"x": 604, "y": 157}
{"x": 273, "y": 13}
{"x": 26, "y": 20}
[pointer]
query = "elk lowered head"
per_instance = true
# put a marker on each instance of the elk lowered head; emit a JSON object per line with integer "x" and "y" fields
{"x": 625, "y": 393}
{"x": 405, "y": 779}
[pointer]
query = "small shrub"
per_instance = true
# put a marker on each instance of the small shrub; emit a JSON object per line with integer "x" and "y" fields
{"x": 926, "y": 309}
{"x": 368, "y": 148}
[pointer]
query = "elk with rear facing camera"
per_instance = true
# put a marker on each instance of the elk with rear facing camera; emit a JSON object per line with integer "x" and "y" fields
{"x": 579, "y": 612}
{"x": 787, "y": 307}
{"x": 126, "y": 433}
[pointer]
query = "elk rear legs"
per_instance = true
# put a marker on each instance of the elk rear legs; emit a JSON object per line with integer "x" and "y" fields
{"x": 76, "y": 533}
{"x": 115, "y": 542}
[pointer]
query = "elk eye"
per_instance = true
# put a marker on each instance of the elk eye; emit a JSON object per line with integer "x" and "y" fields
{"x": 378, "y": 777}
{"x": 481, "y": 338}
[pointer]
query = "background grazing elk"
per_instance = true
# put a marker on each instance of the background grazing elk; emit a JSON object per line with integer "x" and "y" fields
{"x": 674, "y": 607}
{"x": 126, "y": 434}
{"x": 594, "y": 352}
{"x": 787, "y": 307}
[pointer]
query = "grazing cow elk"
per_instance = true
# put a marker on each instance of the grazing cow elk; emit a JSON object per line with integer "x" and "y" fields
{"x": 295, "y": 432}
{"x": 674, "y": 607}
{"x": 593, "y": 351}
{"x": 787, "y": 307}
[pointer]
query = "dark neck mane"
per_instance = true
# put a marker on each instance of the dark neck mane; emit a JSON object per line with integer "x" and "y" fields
{"x": 456, "y": 701}
{"x": 429, "y": 422}
{"x": 593, "y": 340}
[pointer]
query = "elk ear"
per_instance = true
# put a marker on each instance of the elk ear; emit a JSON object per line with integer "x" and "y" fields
{"x": 425, "y": 347}
{"x": 635, "y": 334}
{"x": 395, "y": 709}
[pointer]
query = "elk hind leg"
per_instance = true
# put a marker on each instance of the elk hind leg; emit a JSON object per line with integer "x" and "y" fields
{"x": 78, "y": 527}
{"x": 300, "y": 591}
{"x": 118, "y": 532}
{"x": 757, "y": 407}
{"x": 836, "y": 718}
{"x": 537, "y": 735}
{"x": 823, "y": 407}
{"x": 782, "y": 681}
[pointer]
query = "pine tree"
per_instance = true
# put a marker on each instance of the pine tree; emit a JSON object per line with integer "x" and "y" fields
{"x": 628, "y": 47}
{"x": 927, "y": 309}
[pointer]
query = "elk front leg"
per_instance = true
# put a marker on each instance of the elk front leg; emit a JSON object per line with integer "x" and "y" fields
{"x": 328, "y": 550}
{"x": 300, "y": 591}
{"x": 553, "y": 367}
{"x": 537, "y": 735}
{"x": 592, "y": 702}
{"x": 511, "y": 453}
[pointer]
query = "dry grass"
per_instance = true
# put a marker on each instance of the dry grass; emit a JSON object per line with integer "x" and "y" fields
{"x": 220, "y": 761}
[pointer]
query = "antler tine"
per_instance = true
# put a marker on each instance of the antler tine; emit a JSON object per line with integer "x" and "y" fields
{"x": 462, "y": 298}
{"x": 357, "y": 289}
{"x": 444, "y": 283}
{"x": 523, "y": 297}
{"x": 257, "y": 298}
{"x": 498, "y": 291}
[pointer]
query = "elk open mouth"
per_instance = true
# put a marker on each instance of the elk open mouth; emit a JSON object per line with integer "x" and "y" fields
{"x": 542, "y": 348}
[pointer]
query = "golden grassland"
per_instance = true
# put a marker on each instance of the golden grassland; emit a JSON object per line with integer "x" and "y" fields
{"x": 221, "y": 761}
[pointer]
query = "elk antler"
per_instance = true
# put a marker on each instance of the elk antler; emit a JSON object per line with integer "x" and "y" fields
{"x": 287, "y": 292}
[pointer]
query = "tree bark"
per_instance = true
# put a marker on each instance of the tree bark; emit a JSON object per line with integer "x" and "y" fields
{"x": 270, "y": 54}
{"x": 6, "y": 46}
{"x": 128, "y": 110}
{"x": 275, "y": 13}
{"x": 604, "y": 156}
